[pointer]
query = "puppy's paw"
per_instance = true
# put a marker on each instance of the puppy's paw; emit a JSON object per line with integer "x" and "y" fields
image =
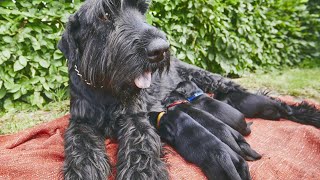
{"x": 223, "y": 163}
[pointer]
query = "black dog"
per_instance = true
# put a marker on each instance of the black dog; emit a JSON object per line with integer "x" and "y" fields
{"x": 222, "y": 131}
{"x": 265, "y": 107}
{"x": 218, "y": 109}
{"x": 197, "y": 145}
{"x": 120, "y": 66}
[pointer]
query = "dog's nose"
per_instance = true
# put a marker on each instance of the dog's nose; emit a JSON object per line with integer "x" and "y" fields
{"x": 156, "y": 49}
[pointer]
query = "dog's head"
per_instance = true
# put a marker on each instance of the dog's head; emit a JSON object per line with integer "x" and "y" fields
{"x": 109, "y": 43}
{"x": 184, "y": 90}
{"x": 187, "y": 89}
{"x": 172, "y": 97}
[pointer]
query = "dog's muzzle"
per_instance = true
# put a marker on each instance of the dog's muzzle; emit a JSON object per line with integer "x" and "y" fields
{"x": 156, "y": 50}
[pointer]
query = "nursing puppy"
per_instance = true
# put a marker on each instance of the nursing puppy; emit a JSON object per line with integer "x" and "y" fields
{"x": 219, "y": 129}
{"x": 224, "y": 112}
{"x": 261, "y": 105}
{"x": 197, "y": 145}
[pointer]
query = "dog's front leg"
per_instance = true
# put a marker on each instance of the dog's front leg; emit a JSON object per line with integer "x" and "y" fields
{"x": 139, "y": 150}
{"x": 85, "y": 156}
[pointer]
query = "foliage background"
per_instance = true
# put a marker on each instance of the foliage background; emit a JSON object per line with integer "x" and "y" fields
{"x": 230, "y": 37}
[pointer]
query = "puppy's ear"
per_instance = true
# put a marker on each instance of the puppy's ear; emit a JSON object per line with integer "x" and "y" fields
{"x": 67, "y": 43}
{"x": 181, "y": 90}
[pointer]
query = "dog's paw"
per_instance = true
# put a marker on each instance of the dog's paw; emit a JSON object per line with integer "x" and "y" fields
{"x": 87, "y": 168}
{"x": 245, "y": 149}
{"x": 235, "y": 141}
{"x": 223, "y": 163}
{"x": 144, "y": 168}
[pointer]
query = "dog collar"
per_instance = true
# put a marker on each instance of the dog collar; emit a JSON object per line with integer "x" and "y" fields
{"x": 195, "y": 95}
{"x": 159, "y": 118}
{"x": 210, "y": 95}
{"x": 176, "y": 103}
{"x": 80, "y": 75}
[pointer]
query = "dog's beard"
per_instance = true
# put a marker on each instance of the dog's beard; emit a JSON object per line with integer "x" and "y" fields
{"x": 132, "y": 71}
{"x": 120, "y": 66}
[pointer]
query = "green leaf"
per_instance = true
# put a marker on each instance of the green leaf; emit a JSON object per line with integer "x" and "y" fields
{"x": 14, "y": 88}
{"x": 17, "y": 66}
{"x": 7, "y": 39}
{"x": 7, "y": 3}
{"x": 211, "y": 57}
{"x": 3, "y": 92}
{"x": 23, "y": 61}
{"x": 279, "y": 45}
{"x": 6, "y": 53}
{"x": 191, "y": 56}
{"x": 8, "y": 104}
{"x": 37, "y": 99}
{"x": 16, "y": 95}
{"x": 57, "y": 55}
{"x": 44, "y": 63}
{"x": 181, "y": 56}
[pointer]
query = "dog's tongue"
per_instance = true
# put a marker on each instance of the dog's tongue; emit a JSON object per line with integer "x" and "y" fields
{"x": 143, "y": 81}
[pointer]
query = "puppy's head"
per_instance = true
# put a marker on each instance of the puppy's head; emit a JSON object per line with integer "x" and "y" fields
{"x": 187, "y": 89}
{"x": 171, "y": 98}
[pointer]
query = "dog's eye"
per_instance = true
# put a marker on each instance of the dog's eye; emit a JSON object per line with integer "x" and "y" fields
{"x": 105, "y": 17}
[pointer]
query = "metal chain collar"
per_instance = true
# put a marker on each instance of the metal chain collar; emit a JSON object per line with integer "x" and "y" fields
{"x": 86, "y": 81}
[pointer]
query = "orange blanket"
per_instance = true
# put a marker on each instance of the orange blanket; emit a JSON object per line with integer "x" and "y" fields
{"x": 289, "y": 151}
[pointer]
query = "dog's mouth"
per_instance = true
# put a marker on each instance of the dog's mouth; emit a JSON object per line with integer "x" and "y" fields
{"x": 144, "y": 80}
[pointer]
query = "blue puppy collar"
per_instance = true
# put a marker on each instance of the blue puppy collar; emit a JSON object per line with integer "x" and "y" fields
{"x": 195, "y": 95}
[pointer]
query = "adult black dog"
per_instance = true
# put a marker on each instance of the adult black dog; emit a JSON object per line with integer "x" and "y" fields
{"x": 115, "y": 60}
{"x": 175, "y": 127}
{"x": 218, "y": 109}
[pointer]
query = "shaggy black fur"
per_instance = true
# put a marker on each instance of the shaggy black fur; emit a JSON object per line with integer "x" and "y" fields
{"x": 225, "y": 133}
{"x": 218, "y": 109}
{"x": 197, "y": 145}
{"x": 109, "y": 46}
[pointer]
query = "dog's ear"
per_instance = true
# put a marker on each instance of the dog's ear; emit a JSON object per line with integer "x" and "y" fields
{"x": 142, "y": 5}
{"x": 63, "y": 45}
{"x": 181, "y": 90}
{"x": 67, "y": 44}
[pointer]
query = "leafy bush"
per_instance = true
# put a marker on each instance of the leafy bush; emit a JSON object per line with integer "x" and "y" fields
{"x": 228, "y": 37}
{"x": 234, "y": 36}
{"x": 32, "y": 70}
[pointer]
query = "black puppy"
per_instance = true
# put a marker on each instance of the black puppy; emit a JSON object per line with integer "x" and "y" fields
{"x": 222, "y": 131}
{"x": 265, "y": 107}
{"x": 260, "y": 106}
{"x": 224, "y": 112}
{"x": 197, "y": 145}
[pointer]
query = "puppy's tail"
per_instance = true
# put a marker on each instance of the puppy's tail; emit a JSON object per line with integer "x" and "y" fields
{"x": 303, "y": 112}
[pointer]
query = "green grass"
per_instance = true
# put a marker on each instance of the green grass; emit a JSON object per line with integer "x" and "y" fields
{"x": 301, "y": 83}
{"x": 14, "y": 121}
